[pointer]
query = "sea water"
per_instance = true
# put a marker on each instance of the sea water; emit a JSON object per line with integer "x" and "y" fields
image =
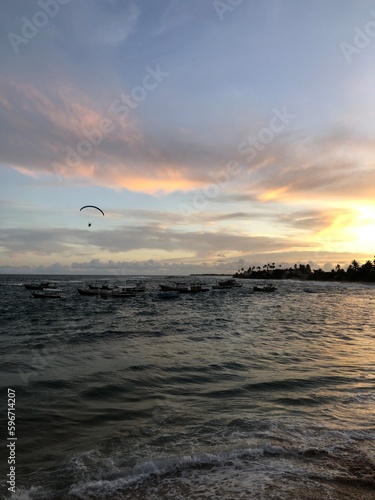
{"x": 225, "y": 394}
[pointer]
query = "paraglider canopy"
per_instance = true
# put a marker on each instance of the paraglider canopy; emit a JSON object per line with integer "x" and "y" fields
{"x": 93, "y": 211}
{"x": 92, "y": 206}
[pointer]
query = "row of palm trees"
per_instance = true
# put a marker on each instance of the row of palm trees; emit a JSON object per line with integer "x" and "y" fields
{"x": 274, "y": 272}
{"x": 354, "y": 272}
{"x": 259, "y": 268}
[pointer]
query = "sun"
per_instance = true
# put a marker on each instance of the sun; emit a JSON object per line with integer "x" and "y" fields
{"x": 351, "y": 231}
{"x": 363, "y": 230}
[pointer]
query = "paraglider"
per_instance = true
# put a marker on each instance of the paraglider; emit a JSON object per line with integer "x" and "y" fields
{"x": 91, "y": 206}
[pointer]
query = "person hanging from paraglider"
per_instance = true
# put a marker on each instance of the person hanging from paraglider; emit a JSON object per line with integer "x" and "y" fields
{"x": 92, "y": 206}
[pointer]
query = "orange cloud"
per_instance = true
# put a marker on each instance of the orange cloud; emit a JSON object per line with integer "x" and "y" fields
{"x": 65, "y": 114}
{"x": 274, "y": 193}
{"x": 157, "y": 186}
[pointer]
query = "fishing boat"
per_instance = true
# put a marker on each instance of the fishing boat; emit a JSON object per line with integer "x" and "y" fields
{"x": 177, "y": 287}
{"x": 117, "y": 292}
{"x": 122, "y": 294}
{"x": 134, "y": 288}
{"x": 197, "y": 287}
{"x": 184, "y": 288}
{"x": 91, "y": 289}
{"x": 47, "y": 293}
{"x": 41, "y": 285}
{"x": 102, "y": 286}
{"x": 225, "y": 284}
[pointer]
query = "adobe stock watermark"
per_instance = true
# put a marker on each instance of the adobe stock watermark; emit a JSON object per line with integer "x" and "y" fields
{"x": 362, "y": 39}
{"x": 122, "y": 107}
{"x": 31, "y": 27}
{"x": 248, "y": 149}
{"x": 223, "y": 6}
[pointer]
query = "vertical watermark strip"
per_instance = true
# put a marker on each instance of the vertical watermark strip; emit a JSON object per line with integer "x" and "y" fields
{"x": 11, "y": 445}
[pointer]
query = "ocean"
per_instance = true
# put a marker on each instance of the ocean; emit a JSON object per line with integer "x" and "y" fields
{"x": 216, "y": 395}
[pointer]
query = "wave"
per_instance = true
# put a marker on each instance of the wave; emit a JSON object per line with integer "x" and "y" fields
{"x": 253, "y": 472}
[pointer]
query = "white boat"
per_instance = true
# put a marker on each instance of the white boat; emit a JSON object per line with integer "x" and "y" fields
{"x": 102, "y": 286}
{"x": 47, "y": 293}
{"x": 184, "y": 288}
{"x": 180, "y": 287}
{"x": 133, "y": 288}
{"x": 117, "y": 292}
{"x": 41, "y": 285}
{"x": 94, "y": 289}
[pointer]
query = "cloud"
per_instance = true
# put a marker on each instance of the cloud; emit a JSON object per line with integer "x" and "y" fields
{"x": 196, "y": 244}
{"x": 314, "y": 220}
{"x": 336, "y": 166}
{"x": 36, "y": 125}
{"x": 41, "y": 129}
{"x": 123, "y": 268}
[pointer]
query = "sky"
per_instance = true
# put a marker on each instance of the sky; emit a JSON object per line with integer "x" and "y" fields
{"x": 213, "y": 134}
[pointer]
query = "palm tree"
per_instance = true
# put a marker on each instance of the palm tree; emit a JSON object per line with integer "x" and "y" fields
{"x": 355, "y": 265}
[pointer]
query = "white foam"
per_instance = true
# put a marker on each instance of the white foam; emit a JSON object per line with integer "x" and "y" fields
{"x": 165, "y": 466}
{"x": 22, "y": 494}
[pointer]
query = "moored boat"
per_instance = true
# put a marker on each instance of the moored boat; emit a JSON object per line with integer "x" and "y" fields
{"x": 197, "y": 287}
{"x": 41, "y": 285}
{"x": 121, "y": 294}
{"x": 177, "y": 287}
{"x": 184, "y": 288}
{"x": 91, "y": 289}
{"x": 225, "y": 284}
{"x": 99, "y": 287}
{"x": 134, "y": 288}
{"x": 47, "y": 293}
{"x": 117, "y": 292}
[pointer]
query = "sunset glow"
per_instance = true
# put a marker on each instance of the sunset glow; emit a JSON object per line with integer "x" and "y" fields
{"x": 249, "y": 139}
{"x": 364, "y": 230}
